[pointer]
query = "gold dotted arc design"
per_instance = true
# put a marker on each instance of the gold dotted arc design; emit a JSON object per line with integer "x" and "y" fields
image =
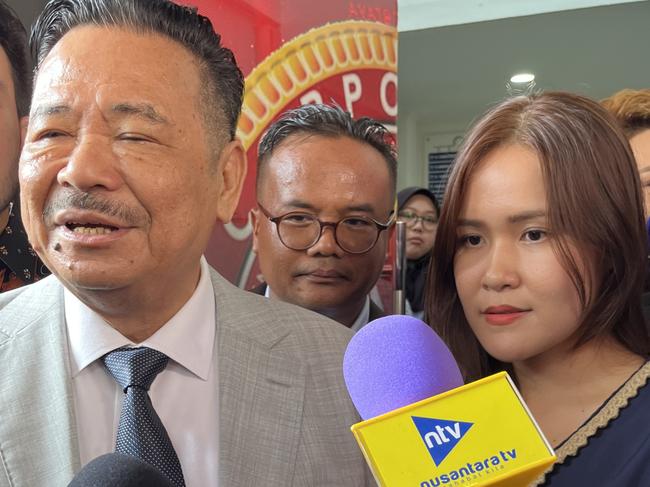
{"x": 308, "y": 59}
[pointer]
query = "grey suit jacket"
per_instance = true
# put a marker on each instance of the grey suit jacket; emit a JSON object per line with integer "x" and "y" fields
{"x": 284, "y": 412}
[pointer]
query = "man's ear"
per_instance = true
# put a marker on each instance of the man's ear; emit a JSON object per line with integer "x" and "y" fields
{"x": 232, "y": 168}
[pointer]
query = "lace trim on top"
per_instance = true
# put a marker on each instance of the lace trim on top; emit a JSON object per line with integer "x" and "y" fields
{"x": 608, "y": 412}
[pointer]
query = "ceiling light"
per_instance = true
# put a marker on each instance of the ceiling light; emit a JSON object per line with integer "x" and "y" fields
{"x": 522, "y": 78}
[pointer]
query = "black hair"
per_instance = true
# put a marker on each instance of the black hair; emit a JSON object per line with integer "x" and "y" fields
{"x": 328, "y": 121}
{"x": 13, "y": 40}
{"x": 223, "y": 80}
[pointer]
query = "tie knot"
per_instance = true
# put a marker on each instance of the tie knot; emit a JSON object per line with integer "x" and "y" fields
{"x": 135, "y": 366}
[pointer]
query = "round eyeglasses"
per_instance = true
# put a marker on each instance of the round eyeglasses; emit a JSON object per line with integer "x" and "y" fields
{"x": 354, "y": 234}
{"x": 411, "y": 219}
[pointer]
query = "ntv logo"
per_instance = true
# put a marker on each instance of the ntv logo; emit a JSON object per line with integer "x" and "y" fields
{"x": 440, "y": 435}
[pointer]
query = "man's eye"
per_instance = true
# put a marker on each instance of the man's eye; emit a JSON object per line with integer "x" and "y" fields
{"x": 49, "y": 134}
{"x": 356, "y": 222}
{"x": 298, "y": 219}
{"x": 133, "y": 137}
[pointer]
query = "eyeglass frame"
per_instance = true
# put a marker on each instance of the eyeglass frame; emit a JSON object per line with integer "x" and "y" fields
{"x": 278, "y": 219}
{"x": 418, "y": 218}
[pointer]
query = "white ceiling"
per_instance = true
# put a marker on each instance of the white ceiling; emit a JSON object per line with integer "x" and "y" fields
{"x": 424, "y": 14}
{"x": 450, "y": 75}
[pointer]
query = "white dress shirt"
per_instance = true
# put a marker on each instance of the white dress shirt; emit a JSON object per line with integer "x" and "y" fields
{"x": 184, "y": 395}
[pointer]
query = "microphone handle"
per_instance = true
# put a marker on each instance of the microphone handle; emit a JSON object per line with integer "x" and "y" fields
{"x": 399, "y": 301}
{"x": 399, "y": 295}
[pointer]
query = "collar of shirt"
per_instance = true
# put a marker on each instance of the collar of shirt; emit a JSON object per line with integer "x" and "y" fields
{"x": 187, "y": 338}
{"x": 360, "y": 322}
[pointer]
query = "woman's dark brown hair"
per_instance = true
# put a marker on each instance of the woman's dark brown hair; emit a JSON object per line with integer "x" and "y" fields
{"x": 594, "y": 202}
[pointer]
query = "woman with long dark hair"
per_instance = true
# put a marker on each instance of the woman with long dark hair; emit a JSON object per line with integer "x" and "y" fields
{"x": 538, "y": 268}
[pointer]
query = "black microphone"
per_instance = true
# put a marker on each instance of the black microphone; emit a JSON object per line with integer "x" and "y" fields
{"x": 119, "y": 470}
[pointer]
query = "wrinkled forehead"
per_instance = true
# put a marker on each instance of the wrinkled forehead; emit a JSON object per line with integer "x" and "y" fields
{"x": 90, "y": 57}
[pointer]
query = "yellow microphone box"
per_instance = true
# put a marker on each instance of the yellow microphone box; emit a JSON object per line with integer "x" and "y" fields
{"x": 478, "y": 434}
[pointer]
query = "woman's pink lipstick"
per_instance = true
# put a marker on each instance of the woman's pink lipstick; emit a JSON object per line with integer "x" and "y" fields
{"x": 503, "y": 315}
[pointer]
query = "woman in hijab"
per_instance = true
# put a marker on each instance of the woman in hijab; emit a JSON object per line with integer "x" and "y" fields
{"x": 418, "y": 208}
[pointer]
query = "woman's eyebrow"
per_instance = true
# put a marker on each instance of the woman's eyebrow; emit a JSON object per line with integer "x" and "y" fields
{"x": 527, "y": 215}
{"x": 516, "y": 218}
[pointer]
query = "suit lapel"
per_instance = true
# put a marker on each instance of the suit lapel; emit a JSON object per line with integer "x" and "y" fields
{"x": 375, "y": 312}
{"x": 261, "y": 392}
{"x": 38, "y": 440}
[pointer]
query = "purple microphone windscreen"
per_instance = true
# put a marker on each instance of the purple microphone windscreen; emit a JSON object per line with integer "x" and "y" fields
{"x": 395, "y": 361}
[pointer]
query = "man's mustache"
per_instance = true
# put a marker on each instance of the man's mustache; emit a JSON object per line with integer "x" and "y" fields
{"x": 87, "y": 201}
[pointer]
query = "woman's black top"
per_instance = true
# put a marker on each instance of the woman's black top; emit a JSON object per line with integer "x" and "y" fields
{"x": 612, "y": 448}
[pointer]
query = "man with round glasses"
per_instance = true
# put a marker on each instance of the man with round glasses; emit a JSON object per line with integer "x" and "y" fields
{"x": 326, "y": 192}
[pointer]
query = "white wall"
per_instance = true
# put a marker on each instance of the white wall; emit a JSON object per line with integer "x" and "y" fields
{"x": 449, "y": 75}
{"x": 416, "y": 141}
{"x": 425, "y": 14}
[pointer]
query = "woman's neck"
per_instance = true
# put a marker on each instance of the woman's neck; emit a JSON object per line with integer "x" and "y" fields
{"x": 593, "y": 364}
{"x": 564, "y": 387}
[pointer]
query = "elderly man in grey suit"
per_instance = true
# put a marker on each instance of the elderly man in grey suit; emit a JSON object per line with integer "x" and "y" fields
{"x": 135, "y": 344}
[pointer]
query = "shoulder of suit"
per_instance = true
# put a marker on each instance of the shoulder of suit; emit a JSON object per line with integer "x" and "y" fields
{"x": 22, "y": 307}
{"x": 272, "y": 321}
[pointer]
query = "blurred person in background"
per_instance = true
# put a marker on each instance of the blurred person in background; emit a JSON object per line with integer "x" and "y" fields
{"x": 418, "y": 208}
{"x": 632, "y": 110}
{"x": 19, "y": 264}
{"x": 537, "y": 269}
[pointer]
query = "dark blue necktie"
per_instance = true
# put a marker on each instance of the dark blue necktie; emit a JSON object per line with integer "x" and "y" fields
{"x": 140, "y": 432}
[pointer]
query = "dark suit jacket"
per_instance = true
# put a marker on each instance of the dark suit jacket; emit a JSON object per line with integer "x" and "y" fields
{"x": 375, "y": 310}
